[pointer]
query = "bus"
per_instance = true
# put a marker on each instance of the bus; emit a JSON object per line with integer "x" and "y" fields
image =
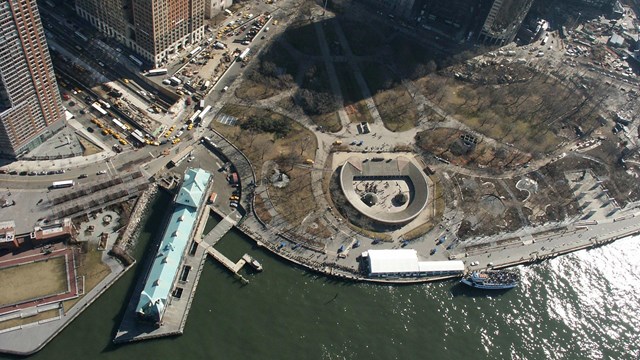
{"x": 194, "y": 117}
{"x": 195, "y": 51}
{"x": 137, "y": 134}
{"x": 204, "y": 112}
{"x": 62, "y": 184}
{"x": 98, "y": 108}
{"x": 119, "y": 124}
{"x": 135, "y": 60}
{"x": 104, "y": 104}
{"x": 81, "y": 36}
{"x": 156, "y": 72}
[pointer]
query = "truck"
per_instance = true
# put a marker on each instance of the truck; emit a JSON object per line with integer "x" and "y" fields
{"x": 244, "y": 54}
{"x": 206, "y": 85}
{"x": 175, "y": 81}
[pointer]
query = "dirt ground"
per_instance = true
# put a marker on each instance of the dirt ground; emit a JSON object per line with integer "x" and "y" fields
{"x": 532, "y": 111}
{"x": 452, "y": 145}
{"x": 34, "y": 280}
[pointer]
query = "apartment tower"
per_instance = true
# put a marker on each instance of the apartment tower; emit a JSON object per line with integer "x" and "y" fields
{"x": 153, "y": 28}
{"x": 30, "y": 105}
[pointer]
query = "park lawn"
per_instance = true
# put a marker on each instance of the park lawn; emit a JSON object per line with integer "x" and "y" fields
{"x": 330, "y": 122}
{"x": 251, "y": 90}
{"x": 261, "y": 210}
{"x": 30, "y": 281}
{"x": 397, "y": 109}
{"x": 92, "y": 269}
{"x": 500, "y": 111}
{"x": 295, "y": 201}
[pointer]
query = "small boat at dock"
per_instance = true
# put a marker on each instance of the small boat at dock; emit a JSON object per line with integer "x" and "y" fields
{"x": 253, "y": 262}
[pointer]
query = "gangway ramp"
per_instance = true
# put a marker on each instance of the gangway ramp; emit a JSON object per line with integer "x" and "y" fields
{"x": 220, "y": 230}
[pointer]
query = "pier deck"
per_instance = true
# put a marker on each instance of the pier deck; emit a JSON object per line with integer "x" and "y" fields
{"x": 214, "y": 236}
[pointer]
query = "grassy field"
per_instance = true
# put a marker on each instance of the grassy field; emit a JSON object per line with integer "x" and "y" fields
{"x": 354, "y": 103}
{"x": 34, "y": 280}
{"x": 90, "y": 266}
{"x": 295, "y": 201}
{"x": 261, "y": 210}
{"x": 397, "y": 109}
{"x": 447, "y": 143}
{"x": 303, "y": 37}
{"x": 529, "y": 114}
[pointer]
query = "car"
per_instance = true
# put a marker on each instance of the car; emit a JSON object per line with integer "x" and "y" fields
{"x": 65, "y": 96}
{"x": 51, "y": 172}
{"x": 61, "y": 171}
{"x": 32, "y": 173}
{"x": 475, "y": 263}
{"x": 72, "y": 103}
{"x": 101, "y": 172}
{"x": 23, "y": 173}
{"x": 433, "y": 251}
{"x": 13, "y": 172}
{"x": 83, "y": 176}
{"x": 83, "y": 111}
{"x": 234, "y": 198}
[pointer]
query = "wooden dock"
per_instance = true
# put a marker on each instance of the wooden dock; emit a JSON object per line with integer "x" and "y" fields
{"x": 209, "y": 240}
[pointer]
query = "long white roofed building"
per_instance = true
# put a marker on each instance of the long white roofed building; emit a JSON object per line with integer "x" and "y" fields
{"x": 395, "y": 263}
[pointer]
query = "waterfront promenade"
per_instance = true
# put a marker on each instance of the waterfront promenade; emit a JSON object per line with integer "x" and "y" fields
{"x": 528, "y": 245}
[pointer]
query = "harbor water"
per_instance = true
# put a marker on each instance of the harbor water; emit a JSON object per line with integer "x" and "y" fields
{"x": 580, "y": 306}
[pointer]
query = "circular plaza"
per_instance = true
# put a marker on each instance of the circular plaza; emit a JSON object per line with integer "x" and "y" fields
{"x": 387, "y": 189}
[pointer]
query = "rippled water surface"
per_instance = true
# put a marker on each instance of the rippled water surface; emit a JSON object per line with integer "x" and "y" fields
{"x": 581, "y": 306}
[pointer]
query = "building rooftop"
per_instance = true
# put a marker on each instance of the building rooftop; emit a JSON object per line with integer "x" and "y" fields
{"x": 399, "y": 261}
{"x": 159, "y": 283}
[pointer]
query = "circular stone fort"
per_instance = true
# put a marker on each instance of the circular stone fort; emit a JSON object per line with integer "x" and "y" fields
{"x": 387, "y": 190}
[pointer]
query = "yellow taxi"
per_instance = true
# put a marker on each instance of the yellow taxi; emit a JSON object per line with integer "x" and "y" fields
{"x": 175, "y": 141}
{"x": 123, "y": 142}
{"x": 190, "y": 127}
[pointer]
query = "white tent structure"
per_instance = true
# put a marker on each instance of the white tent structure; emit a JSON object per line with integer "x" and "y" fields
{"x": 405, "y": 263}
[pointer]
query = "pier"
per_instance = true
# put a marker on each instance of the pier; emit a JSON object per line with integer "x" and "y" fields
{"x": 214, "y": 236}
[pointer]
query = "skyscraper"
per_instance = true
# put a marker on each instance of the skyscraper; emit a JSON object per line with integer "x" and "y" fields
{"x": 30, "y": 105}
{"x": 153, "y": 28}
{"x": 490, "y": 21}
{"x": 503, "y": 21}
